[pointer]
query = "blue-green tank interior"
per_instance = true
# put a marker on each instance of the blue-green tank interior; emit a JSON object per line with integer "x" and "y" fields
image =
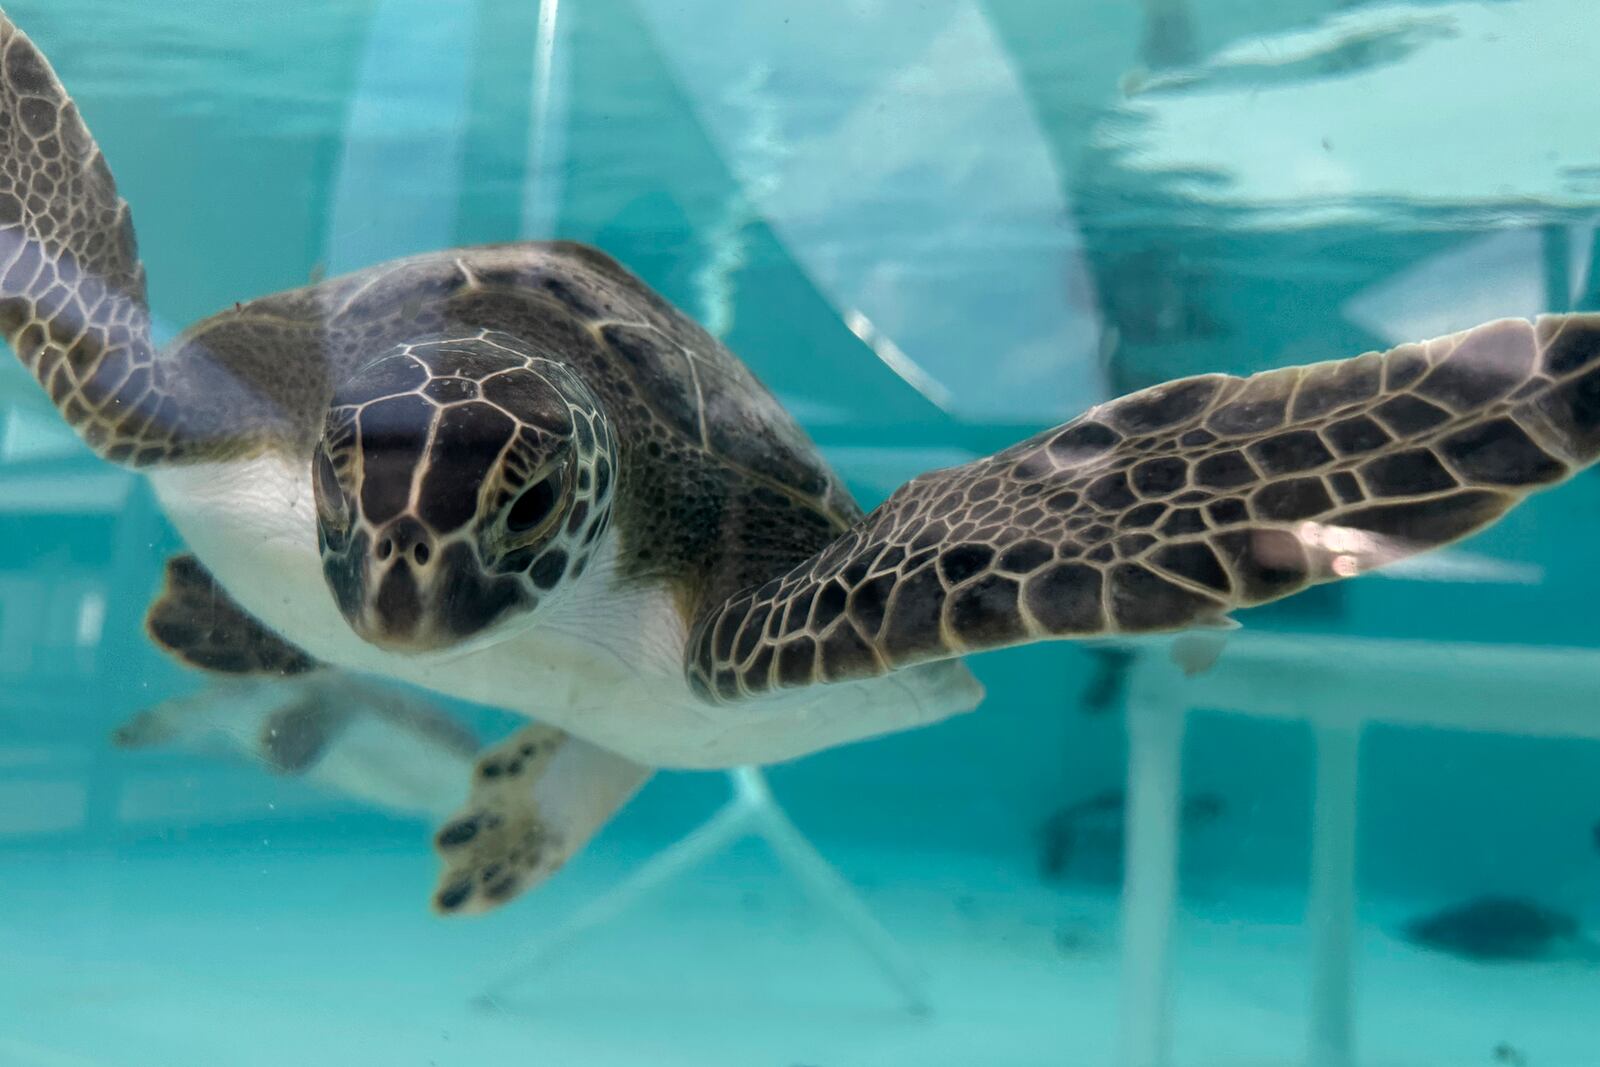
{"x": 786, "y": 176}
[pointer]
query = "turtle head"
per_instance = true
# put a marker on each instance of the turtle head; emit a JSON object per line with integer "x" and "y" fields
{"x": 461, "y": 485}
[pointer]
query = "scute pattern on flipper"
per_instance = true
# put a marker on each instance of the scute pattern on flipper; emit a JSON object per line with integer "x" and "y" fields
{"x": 194, "y": 619}
{"x": 72, "y": 291}
{"x": 1170, "y": 507}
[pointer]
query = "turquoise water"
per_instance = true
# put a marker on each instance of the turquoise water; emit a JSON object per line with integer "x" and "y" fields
{"x": 1039, "y": 206}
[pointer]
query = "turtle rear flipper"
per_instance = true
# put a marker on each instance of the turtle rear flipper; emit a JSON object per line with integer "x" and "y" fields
{"x": 282, "y": 725}
{"x": 537, "y": 798}
{"x": 195, "y": 620}
{"x": 1166, "y": 509}
{"x": 350, "y": 735}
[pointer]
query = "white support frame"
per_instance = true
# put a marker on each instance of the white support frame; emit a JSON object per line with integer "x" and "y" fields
{"x": 1327, "y": 681}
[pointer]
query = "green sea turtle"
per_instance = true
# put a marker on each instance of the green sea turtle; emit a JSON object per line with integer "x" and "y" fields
{"x": 516, "y": 475}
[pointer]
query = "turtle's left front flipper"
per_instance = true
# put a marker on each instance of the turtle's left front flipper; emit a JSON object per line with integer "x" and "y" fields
{"x": 537, "y": 798}
{"x": 1166, "y": 509}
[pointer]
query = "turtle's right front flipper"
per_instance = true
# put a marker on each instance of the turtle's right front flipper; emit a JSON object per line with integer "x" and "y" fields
{"x": 72, "y": 293}
{"x": 72, "y": 289}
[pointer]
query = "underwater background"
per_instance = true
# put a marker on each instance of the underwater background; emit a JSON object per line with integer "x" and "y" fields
{"x": 932, "y": 229}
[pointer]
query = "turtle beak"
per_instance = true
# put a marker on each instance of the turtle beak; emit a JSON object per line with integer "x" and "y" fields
{"x": 407, "y": 592}
{"x": 402, "y": 574}
{"x": 394, "y": 616}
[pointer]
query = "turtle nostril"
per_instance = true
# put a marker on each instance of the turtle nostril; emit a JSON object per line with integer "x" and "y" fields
{"x": 420, "y": 554}
{"x": 385, "y": 548}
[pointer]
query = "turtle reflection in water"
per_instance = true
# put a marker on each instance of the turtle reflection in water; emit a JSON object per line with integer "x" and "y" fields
{"x": 516, "y": 475}
{"x": 1502, "y": 929}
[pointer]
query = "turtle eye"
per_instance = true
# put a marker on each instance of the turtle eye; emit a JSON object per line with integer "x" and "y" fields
{"x": 535, "y": 504}
{"x": 331, "y": 503}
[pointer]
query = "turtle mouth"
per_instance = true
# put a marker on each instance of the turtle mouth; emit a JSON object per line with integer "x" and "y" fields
{"x": 450, "y": 603}
{"x": 395, "y": 618}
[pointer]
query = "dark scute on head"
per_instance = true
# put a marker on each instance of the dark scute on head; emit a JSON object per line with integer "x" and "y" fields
{"x": 1425, "y": 523}
{"x": 577, "y": 517}
{"x": 548, "y": 568}
{"x": 1142, "y": 600}
{"x": 471, "y": 358}
{"x": 1500, "y": 452}
{"x": 390, "y": 376}
{"x": 1575, "y": 346}
{"x": 466, "y": 445}
{"x": 1489, "y": 362}
{"x": 1065, "y": 598}
{"x": 984, "y": 613}
{"x": 470, "y": 601}
{"x": 398, "y": 604}
{"x": 450, "y": 390}
{"x": 1268, "y": 563}
{"x": 529, "y": 397}
{"x": 393, "y": 434}
{"x": 1164, "y": 405}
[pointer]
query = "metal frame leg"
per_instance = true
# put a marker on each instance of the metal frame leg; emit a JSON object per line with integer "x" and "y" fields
{"x": 1150, "y": 879}
{"x": 1330, "y": 909}
{"x": 750, "y": 811}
